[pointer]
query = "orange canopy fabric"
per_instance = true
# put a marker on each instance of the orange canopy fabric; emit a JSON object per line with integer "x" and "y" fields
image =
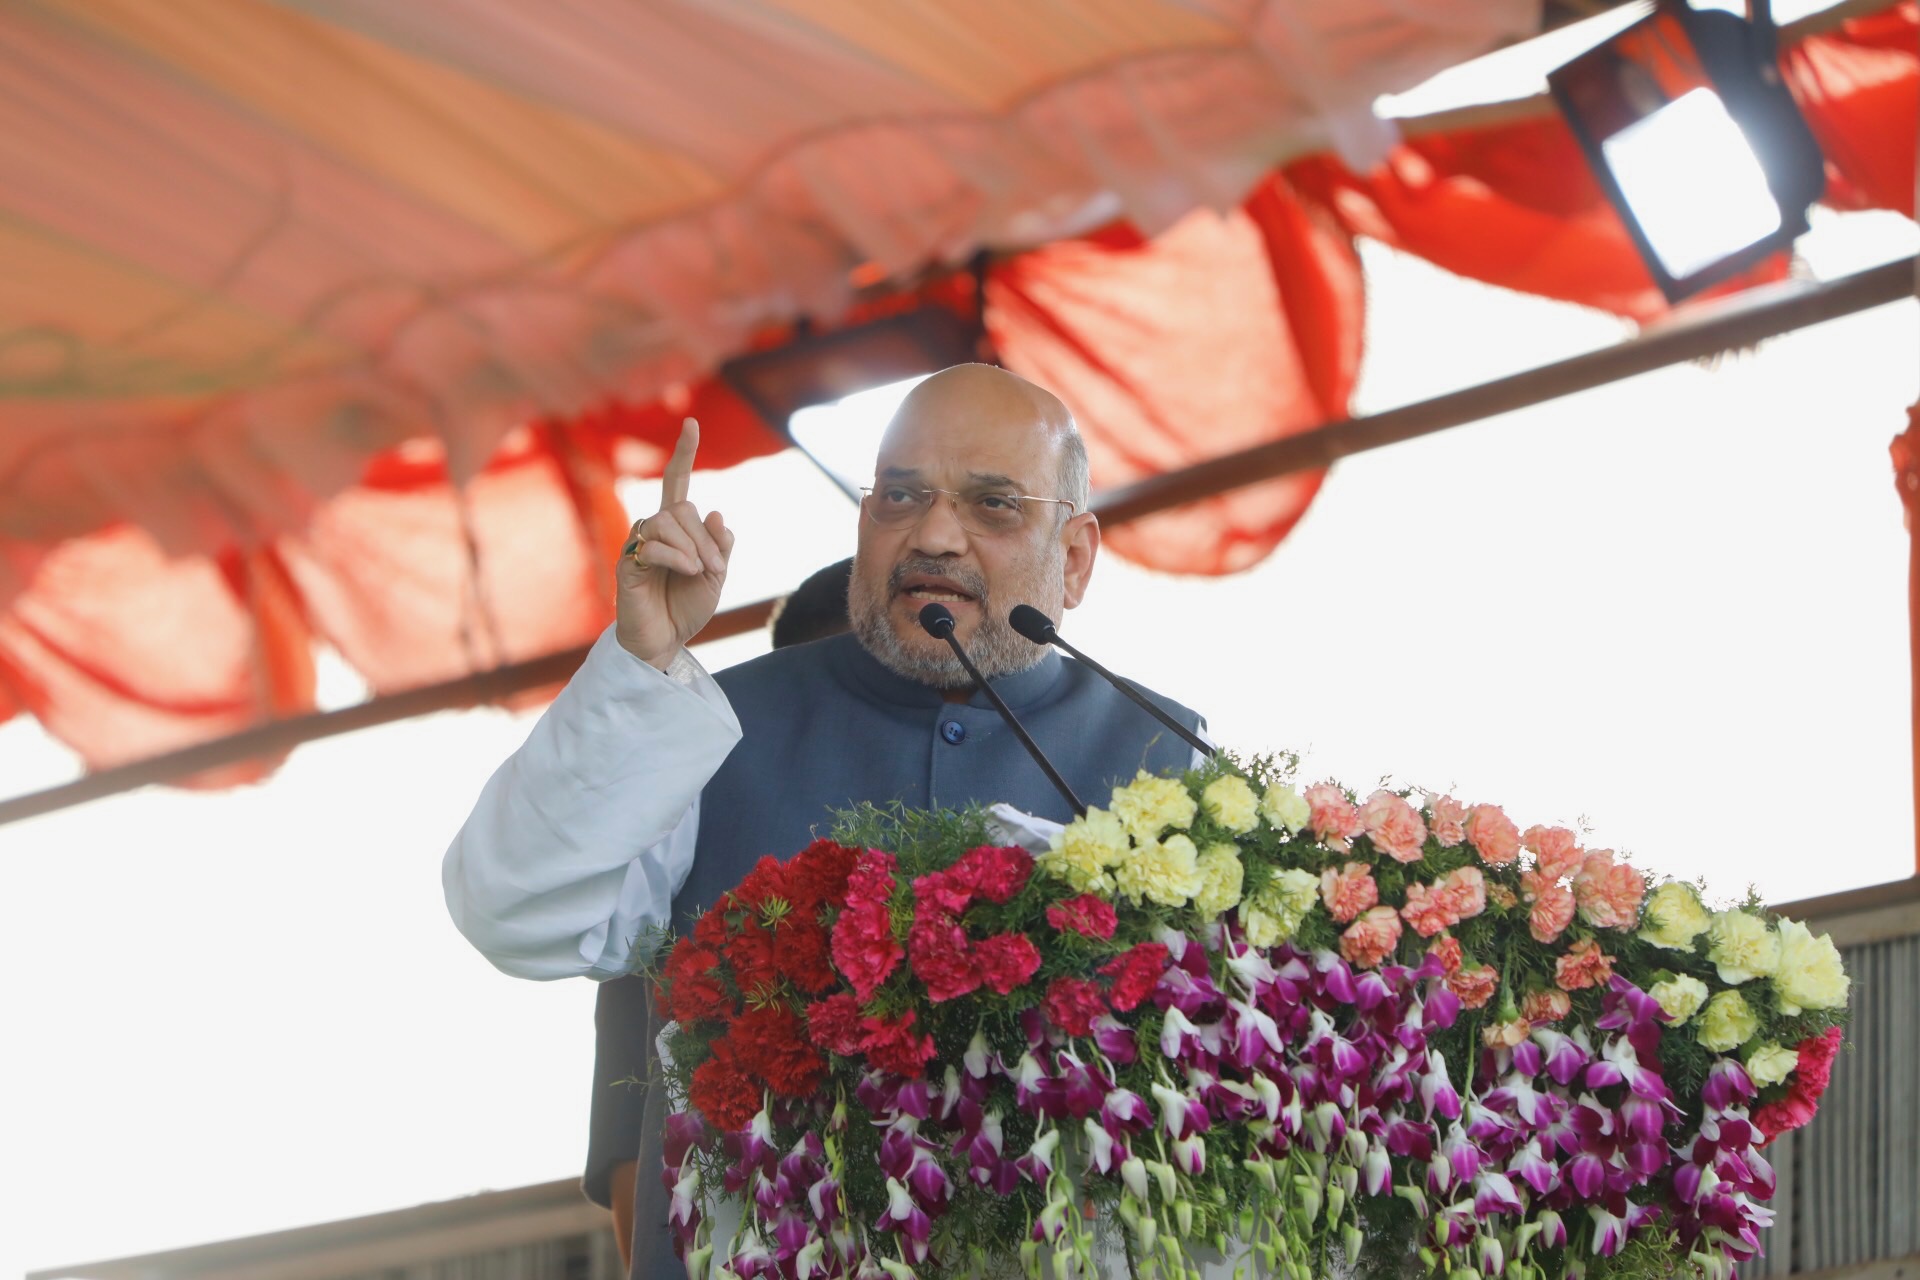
{"x": 169, "y": 553}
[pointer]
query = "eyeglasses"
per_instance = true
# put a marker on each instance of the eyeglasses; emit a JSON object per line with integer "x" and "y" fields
{"x": 979, "y": 511}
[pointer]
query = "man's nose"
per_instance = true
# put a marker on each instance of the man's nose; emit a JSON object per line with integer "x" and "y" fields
{"x": 939, "y": 532}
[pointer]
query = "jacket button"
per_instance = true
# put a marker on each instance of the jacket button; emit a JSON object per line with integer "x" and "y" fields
{"x": 954, "y": 732}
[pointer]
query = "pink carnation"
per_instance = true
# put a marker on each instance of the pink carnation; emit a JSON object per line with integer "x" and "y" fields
{"x": 1446, "y": 949}
{"x": 1545, "y": 1006}
{"x": 995, "y": 872}
{"x": 1458, "y": 895}
{"x": 1608, "y": 893}
{"x": 1493, "y": 834}
{"x": 1348, "y": 891}
{"x": 1072, "y": 1004}
{"x": 1371, "y": 938}
{"x": 1475, "y": 986}
{"x": 1552, "y": 909}
{"x": 1087, "y": 915}
{"x": 1332, "y": 816}
{"x": 1804, "y": 1087}
{"x": 871, "y": 879}
{"x": 1554, "y": 849}
{"x": 1394, "y": 826}
{"x": 863, "y": 947}
{"x": 1449, "y": 820}
{"x": 938, "y": 955}
{"x": 1585, "y": 965}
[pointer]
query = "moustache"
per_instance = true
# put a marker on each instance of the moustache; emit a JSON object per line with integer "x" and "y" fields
{"x": 967, "y": 579}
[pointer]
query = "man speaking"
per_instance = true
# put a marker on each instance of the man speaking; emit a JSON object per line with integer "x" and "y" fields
{"x": 649, "y": 787}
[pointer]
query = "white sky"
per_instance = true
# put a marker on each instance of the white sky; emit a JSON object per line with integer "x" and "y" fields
{"x": 1675, "y": 606}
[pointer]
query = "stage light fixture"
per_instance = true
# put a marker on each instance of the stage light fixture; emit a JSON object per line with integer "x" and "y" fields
{"x": 814, "y": 369}
{"x": 1695, "y": 140}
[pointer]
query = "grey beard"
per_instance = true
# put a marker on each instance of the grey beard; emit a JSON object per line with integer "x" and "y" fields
{"x": 996, "y": 648}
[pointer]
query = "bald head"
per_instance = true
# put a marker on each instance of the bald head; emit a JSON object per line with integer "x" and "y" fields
{"x": 966, "y": 401}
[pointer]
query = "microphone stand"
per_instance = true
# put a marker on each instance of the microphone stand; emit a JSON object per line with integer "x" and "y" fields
{"x": 937, "y": 621}
{"x": 1038, "y": 627}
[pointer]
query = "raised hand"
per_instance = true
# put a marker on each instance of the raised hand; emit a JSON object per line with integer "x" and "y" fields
{"x": 675, "y": 563}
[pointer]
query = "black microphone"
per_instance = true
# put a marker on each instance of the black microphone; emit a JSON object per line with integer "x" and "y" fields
{"x": 1038, "y": 627}
{"x": 937, "y": 621}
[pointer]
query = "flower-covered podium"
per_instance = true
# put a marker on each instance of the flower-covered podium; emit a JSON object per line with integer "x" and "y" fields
{"x": 1224, "y": 1021}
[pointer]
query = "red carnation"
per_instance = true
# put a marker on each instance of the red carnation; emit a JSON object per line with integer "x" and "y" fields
{"x": 771, "y": 1042}
{"x": 995, "y": 872}
{"x": 1073, "y": 1003}
{"x": 939, "y": 955}
{"x": 694, "y": 991}
{"x": 766, "y": 881}
{"x": 834, "y": 1024}
{"x": 801, "y": 955}
{"x": 871, "y": 879}
{"x": 863, "y": 946}
{"x": 892, "y": 1046}
{"x": 711, "y": 930}
{"x": 817, "y": 876}
{"x": 1006, "y": 960}
{"x": 1135, "y": 974}
{"x": 722, "y": 1092}
{"x": 1804, "y": 1087}
{"x": 943, "y": 892}
{"x": 750, "y": 952}
{"x": 1086, "y": 915}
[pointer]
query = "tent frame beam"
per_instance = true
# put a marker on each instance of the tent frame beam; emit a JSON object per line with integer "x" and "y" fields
{"x": 1700, "y": 332}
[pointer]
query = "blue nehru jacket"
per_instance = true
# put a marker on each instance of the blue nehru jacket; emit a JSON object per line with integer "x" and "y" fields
{"x": 824, "y": 726}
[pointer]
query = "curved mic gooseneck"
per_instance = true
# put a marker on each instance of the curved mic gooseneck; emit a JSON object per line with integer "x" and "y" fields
{"x": 937, "y": 621}
{"x": 1038, "y": 627}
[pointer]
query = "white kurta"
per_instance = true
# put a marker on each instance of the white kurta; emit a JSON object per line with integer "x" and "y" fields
{"x": 582, "y": 837}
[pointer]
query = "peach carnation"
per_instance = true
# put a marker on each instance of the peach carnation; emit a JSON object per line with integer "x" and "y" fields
{"x": 1552, "y": 909}
{"x": 1506, "y": 1035}
{"x": 1608, "y": 893}
{"x": 1446, "y": 949}
{"x": 1458, "y": 895}
{"x": 1493, "y": 835}
{"x": 1475, "y": 986}
{"x": 1545, "y": 1006}
{"x": 1449, "y": 820}
{"x": 1395, "y": 827}
{"x": 1348, "y": 890}
{"x": 1332, "y": 816}
{"x": 1585, "y": 965}
{"x": 1554, "y": 850}
{"x": 1371, "y": 938}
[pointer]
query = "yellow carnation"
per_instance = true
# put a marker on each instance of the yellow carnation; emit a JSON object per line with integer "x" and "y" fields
{"x": 1285, "y": 808}
{"x": 1727, "y": 1022}
{"x": 1810, "y": 975}
{"x": 1230, "y": 802}
{"x": 1162, "y": 871}
{"x": 1084, "y": 850}
{"x": 1770, "y": 1064}
{"x": 1674, "y": 917}
{"x": 1221, "y": 876}
{"x": 1742, "y": 946}
{"x": 1277, "y": 910}
{"x": 1149, "y": 805}
{"x": 1681, "y": 997}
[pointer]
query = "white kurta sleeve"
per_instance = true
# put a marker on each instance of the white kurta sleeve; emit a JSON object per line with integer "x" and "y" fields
{"x": 581, "y": 839}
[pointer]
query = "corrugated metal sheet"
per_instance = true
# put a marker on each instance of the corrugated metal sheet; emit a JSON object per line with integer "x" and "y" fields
{"x": 1850, "y": 1182}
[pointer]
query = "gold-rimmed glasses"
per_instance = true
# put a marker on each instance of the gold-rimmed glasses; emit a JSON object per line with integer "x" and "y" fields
{"x": 986, "y": 510}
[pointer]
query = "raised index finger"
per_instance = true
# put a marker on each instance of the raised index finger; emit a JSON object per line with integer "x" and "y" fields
{"x": 673, "y": 481}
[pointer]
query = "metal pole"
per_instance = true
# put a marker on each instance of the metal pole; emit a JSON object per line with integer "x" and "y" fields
{"x": 1706, "y": 330}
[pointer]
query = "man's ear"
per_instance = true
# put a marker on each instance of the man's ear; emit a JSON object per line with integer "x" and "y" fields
{"x": 1082, "y": 536}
